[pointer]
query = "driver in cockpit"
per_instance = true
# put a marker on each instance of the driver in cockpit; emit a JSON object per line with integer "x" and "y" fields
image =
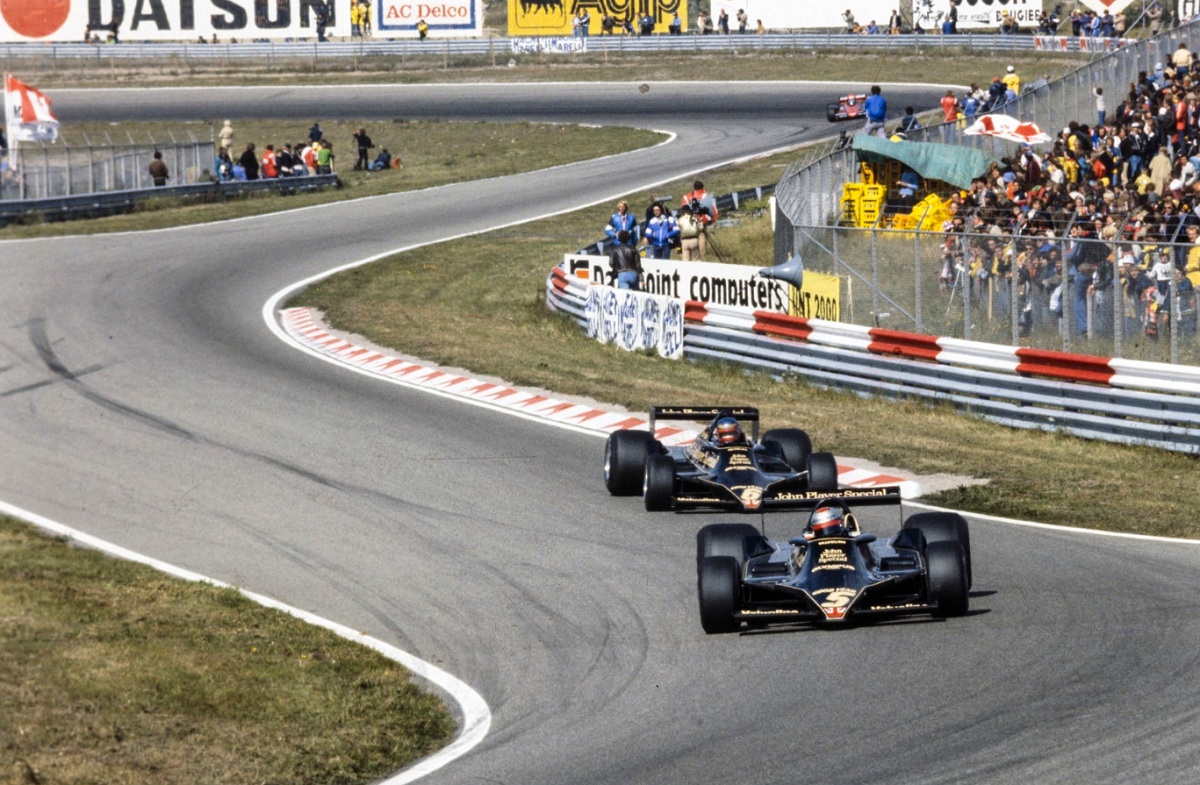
{"x": 827, "y": 522}
{"x": 727, "y": 432}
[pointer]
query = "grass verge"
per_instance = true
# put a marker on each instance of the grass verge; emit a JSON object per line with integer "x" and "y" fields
{"x": 113, "y": 672}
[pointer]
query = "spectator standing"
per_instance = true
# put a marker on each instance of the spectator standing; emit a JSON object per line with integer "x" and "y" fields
{"x": 1182, "y": 60}
{"x": 847, "y": 17}
{"x": 1011, "y": 80}
{"x": 158, "y": 170}
{"x": 949, "y": 107}
{"x": 952, "y": 16}
{"x": 364, "y": 19}
{"x": 622, "y": 221}
{"x": 676, "y": 26}
{"x": 315, "y": 134}
{"x": 322, "y": 22}
{"x": 223, "y": 166}
{"x": 226, "y": 135}
{"x": 894, "y": 23}
{"x": 249, "y": 162}
{"x": 364, "y": 144}
{"x": 1155, "y": 14}
{"x": 723, "y": 23}
{"x": 284, "y": 161}
{"x": 661, "y": 231}
{"x": 743, "y": 20}
{"x": 876, "y": 109}
{"x": 1099, "y": 93}
{"x": 909, "y": 122}
{"x": 703, "y": 208}
{"x": 759, "y": 29}
{"x": 355, "y": 25}
{"x": 626, "y": 262}
{"x": 690, "y": 234}
{"x": 422, "y": 29}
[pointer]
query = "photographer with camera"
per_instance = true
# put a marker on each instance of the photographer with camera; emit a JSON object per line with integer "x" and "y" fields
{"x": 704, "y": 210}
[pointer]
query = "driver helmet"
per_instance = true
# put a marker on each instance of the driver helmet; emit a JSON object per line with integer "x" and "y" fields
{"x": 828, "y": 522}
{"x": 728, "y": 431}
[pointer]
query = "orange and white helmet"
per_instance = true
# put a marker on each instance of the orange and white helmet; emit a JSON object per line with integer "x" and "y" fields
{"x": 827, "y": 522}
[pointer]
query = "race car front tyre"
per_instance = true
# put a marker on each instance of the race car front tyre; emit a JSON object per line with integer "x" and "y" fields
{"x": 625, "y": 455}
{"x": 945, "y": 527}
{"x": 719, "y": 588}
{"x": 822, "y": 472}
{"x": 658, "y": 490}
{"x": 725, "y": 539}
{"x": 794, "y": 446}
{"x": 946, "y": 578}
{"x": 831, "y": 112}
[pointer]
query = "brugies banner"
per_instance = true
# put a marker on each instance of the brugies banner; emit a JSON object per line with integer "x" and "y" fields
{"x": 243, "y": 20}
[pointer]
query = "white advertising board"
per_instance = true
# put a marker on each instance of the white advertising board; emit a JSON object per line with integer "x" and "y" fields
{"x": 720, "y": 284}
{"x": 792, "y": 15}
{"x": 241, "y": 20}
{"x": 977, "y": 14}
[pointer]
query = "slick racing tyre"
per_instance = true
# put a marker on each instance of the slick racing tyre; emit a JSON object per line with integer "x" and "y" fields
{"x": 946, "y": 579}
{"x": 625, "y": 455}
{"x": 822, "y": 472}
{"x": 658, "y": 490}
{"x": 719, "y": 588}
{"x": 831, "y": 112}
{"x": 726, "y": 539}
{"x": 945, "y": 527}
{"x": 794, "y": 446}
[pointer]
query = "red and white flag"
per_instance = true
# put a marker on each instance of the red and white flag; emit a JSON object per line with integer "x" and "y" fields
{"x": 27, "y": 113}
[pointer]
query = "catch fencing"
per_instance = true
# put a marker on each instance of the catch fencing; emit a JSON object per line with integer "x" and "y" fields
{"x": 893, "y": 278}
{"x": 37, "y": 170}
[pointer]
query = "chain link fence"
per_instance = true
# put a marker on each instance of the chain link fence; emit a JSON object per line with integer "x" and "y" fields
{"x": 41, "y": 171}
{"x": 941, "y": 284}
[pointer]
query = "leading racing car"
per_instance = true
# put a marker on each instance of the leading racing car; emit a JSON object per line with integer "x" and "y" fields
{"x": 833, "y": 572}
{"x": 722, "y": 468}
{"x": 848, "y": 107}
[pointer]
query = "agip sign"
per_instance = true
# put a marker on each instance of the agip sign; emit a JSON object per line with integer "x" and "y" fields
{"x": 243, "y": 20}
{"x": 553, "y": 17}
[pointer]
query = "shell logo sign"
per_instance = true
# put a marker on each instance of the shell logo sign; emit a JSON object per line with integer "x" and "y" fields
{"x": 35, "y": 18}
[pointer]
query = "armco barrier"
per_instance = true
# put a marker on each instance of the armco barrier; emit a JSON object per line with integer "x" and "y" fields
{"x": 62, "y": 208}
{"x": 1127, "y": 401}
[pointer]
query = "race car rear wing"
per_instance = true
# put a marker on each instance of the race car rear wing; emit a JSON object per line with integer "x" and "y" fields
{"x": 854, "y": 497}
{"x": 745, "y": 414}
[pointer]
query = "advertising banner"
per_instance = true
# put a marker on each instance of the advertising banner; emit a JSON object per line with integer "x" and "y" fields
{"x": 27, "y": 113}
{"x": 722, "y": 284}
{"x": 553, "y": 17}
{"x": 635, "y": 321}
{"x": 779, "y": 15}
{"x": 226, "y": 21}
{"x": 977, "y": 14}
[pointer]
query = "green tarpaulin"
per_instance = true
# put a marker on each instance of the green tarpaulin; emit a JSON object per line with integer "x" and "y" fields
{"x": 946, "y": 162}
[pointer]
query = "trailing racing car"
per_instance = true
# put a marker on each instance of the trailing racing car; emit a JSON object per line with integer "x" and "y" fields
{"x": 722, "y": 468}
{"x": 848, "y": 107}
{"x": 832, "y": 572}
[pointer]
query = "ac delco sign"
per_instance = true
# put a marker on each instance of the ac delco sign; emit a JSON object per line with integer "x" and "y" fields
{"x": 244, "y": 20}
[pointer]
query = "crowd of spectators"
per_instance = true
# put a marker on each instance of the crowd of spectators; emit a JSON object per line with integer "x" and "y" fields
{"x": 310, "y": 157}
{"x": 1107, "y": 209}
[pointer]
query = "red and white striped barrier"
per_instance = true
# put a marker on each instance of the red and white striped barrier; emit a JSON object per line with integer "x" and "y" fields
{"x": 1063, "y": 366}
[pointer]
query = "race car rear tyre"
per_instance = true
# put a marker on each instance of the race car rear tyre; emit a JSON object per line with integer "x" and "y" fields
{"x": 625, "y": 455}
{"x": 831, "y": 112}
{"x": 946, "y": 578}
{"x": 945, "y": 527}
{"x": 822, "y": 472}
{"x": 658, "y": 490}
{"x": 725, "y": 539}
{"x": 719, "y": 587}
{"x": 794, "y": 446}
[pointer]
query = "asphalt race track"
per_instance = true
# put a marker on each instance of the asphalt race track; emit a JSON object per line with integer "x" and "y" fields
{"x": 145, "y": 401}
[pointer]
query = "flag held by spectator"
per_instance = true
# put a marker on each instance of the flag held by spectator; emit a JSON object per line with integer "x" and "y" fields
{"x": 1002, "y": 126}
{"x": 27, "y": 113}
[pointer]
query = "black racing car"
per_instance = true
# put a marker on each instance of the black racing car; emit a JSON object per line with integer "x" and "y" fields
{"x": 848, "y": 107}
{"x": 833, "y": 572}
{"x": 722, "y": 468}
